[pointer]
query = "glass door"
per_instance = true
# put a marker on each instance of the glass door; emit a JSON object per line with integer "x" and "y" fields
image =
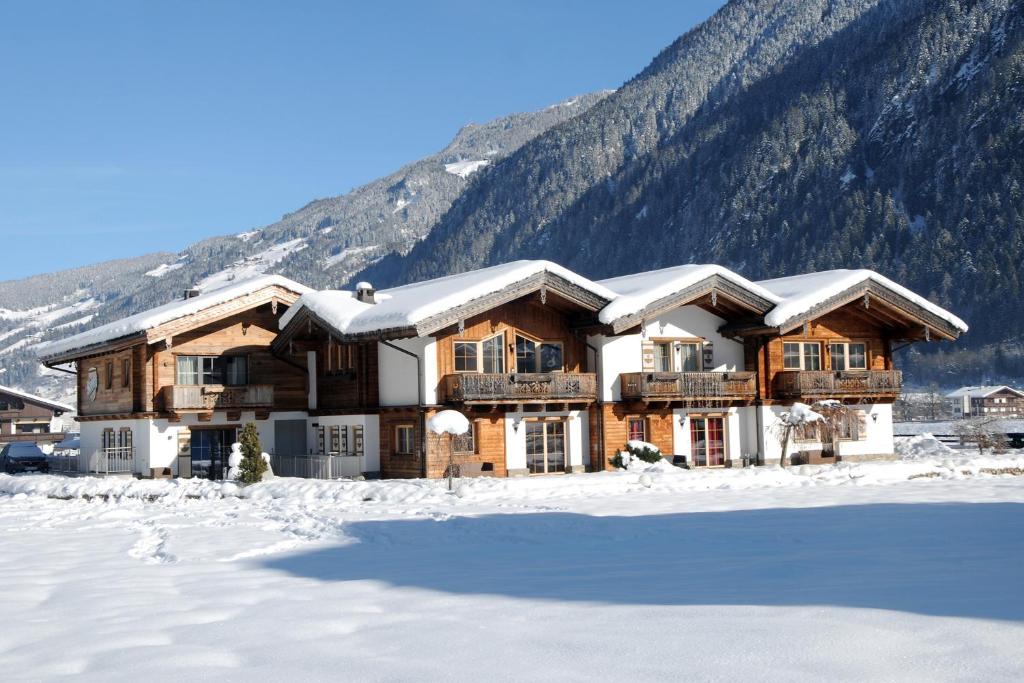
{"x": 210, "y": 449}
{"x": 545, "y": 447}
{"x": 707, "y": 441}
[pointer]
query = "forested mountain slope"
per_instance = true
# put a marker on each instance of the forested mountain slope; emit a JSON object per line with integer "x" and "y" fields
{"x": 781, "y": 137}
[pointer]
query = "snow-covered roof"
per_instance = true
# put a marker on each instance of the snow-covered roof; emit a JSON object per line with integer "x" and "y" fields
{"x": 146, "y": 320}
{"x": 798, "y": 294}
{"x": 36, "y": 399}
{"x": 406, "y": 306}
{"x": 636, "y": 292}
{"x": 981, "y": 391}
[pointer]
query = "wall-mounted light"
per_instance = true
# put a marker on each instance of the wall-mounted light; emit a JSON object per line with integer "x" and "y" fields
{"x": 874, "y": 417}
{"x": 516, "y": 421}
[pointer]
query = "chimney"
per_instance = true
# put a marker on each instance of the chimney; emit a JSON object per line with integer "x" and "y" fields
{"x": 364, "y": 293}
{"x": 191, "y": 293}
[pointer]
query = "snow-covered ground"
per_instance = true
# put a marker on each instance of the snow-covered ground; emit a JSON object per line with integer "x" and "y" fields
{"x": 949, "y": 426}
{"x": 908, "y": 570}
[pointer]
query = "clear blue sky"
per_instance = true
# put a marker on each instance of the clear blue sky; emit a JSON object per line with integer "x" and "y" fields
{"x": 131, "y": 127}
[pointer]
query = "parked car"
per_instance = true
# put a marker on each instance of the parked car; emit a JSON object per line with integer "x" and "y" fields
{"x": 23, "y": 457}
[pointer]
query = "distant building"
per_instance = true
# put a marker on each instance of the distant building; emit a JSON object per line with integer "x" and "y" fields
{"x": 1002, "y": 401}
{"x": 24, "y": 417}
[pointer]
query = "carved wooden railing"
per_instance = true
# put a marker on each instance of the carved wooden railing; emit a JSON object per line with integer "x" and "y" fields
{"x": 520, "y": 387}
{"x": 688, "y": 385}
{"x": 217, "y": 397}
{"x": 796, "y": 383}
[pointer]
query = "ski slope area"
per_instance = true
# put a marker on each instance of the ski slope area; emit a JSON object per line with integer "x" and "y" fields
{"x": 904, "y": 570}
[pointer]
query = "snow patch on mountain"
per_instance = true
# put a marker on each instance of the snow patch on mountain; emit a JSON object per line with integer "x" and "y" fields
{"x": 164, "y": 268}
{"x": 253, "y": 265}
{"x": 464, "y": 169}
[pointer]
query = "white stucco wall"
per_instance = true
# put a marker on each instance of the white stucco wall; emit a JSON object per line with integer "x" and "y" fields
{"x": 624, "y": 353}
{"x": 371, "y": 436}
{"x": 876, "y": 441}
{"x": 398, "y": 373}
{"x": 577, "y": 438}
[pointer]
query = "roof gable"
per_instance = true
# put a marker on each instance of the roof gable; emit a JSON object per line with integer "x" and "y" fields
{"x": 38, "y": 400}
{"x": 805, "y": 297}
{"x": 174, "y": 317}
{"x": 982, "y": 391}
{"x": 649, "y": 294}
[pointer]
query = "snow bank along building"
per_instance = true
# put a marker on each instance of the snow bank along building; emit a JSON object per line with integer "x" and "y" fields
{"x": 555, "y": 371}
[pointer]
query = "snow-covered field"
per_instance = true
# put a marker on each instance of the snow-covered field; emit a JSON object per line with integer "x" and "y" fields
{"x": 906, "y": 570}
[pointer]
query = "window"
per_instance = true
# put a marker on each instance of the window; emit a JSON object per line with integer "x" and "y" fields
{"x": 231, "y": 370}
{"x": 109, "y": 384}
{"x": 636, "y": 429}
{"x": 340, "y": 358}
{"x": 188, "y": 370}
{"x": 126, "y": 371}
{"x": 810, "y": 431}
{"x": 405, "y": 439}
{"x": 852, "y": 356}
{"x": 801, "y": 356}
{"x": 466, "y": 357}
{"x": 494, "y": 354}
{"x": 534, "y": 356}
{"x": 849, "y": 426}
{"x": 663, "y": 357}
{"x": 689, "y": 357}
{"x": 465, "y": 443}
{"x": 124, "y": 437}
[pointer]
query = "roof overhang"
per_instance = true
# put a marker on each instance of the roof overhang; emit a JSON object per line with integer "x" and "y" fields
{"x": 716, "y": 294}
{"x": 545, "y": 282}
{"x": 888, "y": 308}
{"x": 164, "y": 332}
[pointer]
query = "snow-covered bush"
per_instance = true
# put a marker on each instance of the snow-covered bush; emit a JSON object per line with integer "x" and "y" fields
{"x": 252, "y": 467}
{"x": 636, "y": 450}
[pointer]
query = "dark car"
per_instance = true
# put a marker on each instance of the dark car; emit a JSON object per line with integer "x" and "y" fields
{"x": 23, "y": 457}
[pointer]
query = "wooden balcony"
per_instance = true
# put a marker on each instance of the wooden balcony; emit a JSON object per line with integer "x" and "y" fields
{"x": 688, "y": 386}
{"x": 520, "y": 387}
{"x": 217, "y": 397}
{"x": 819, "y": 384}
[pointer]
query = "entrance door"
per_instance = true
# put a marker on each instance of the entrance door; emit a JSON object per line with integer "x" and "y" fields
{"x": 210, "y": 450}
{"x": 545, "y": 447}
{"x": 707, "y": 441}
{"x": 290, "y": 437}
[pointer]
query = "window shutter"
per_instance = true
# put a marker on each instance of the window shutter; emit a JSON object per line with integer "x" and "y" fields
{"x": 708, "y": 355}
{"x": 647, "y": 351}
{"x": 862, "y": 425}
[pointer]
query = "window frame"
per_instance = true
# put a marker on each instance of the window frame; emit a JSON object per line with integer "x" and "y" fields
{"x": 500, "y": 339}
{"x": 398, "y": 445}
{"x": 845, "y": 346}
{"x": 126, "y": 372}
{"x": 459, "y": 446}
{"x": 209, "y": 366}
{"x": 108, "y": 379}
{"x": 466, "y": 343}
{"x": 630, "y": 420}
{"x": 803, "y": 355}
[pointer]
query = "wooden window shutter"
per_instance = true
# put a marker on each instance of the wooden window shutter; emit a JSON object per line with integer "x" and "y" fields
{"x": 647, "y": 355}
{"x": 862, "y": 425}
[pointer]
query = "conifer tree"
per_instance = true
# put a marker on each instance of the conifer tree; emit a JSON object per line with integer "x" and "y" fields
{"x": 252, "y": 466}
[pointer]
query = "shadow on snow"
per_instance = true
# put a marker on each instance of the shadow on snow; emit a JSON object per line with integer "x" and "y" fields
{"x": 936, "y": 559}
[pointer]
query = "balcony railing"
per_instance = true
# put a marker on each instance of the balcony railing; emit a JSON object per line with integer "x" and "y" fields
{"x": 828, "y": 383}
{"x": 724, "y": 386}
{"x": 317, "y": 466}
{"x": 520, "y": 387}
{"x": 217, "y": 397}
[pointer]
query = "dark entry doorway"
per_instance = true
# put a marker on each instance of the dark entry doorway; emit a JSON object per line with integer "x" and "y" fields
{"x": 210, "y": 450}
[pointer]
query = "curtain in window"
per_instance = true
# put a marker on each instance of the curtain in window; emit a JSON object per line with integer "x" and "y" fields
{"x": 689, "y": 358}
{"x": 188, "y": 370}
{"x": 236, "y": 370}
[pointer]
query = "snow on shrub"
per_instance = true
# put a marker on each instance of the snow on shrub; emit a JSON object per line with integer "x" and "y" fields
{"x": 922, "y": 446}
{"x": 636, "y": 451}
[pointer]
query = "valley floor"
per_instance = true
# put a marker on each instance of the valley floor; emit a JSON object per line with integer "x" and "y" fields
{"x": 881, "y": 571}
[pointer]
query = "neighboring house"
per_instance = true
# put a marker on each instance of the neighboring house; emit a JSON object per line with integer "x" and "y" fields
{"x": 1001, "y": 401}
{"x": 24, "y": 417}
{"x": 555, "y": 371}
{"x": 162, "y": 392}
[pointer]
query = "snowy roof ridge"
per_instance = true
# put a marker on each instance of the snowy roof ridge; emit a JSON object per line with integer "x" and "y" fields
{"x": 153, "y": 317}
{"x": 38, "y": 399}
{"x": 637, "y": 291}
{"x": 799, "y": 294}
{"x": 408, "y": 305}
{"x": 981, "y": 391}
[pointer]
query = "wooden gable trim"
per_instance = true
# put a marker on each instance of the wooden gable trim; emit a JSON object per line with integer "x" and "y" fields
{"x": 220, "y": 312}
{"x": 555, "y": 283}
{"x": 716, "y": 284}
{"x": 876, "y": 293}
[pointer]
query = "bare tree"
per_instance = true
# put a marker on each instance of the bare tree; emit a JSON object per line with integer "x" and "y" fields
{"x": 827, "y": 416}
{"x": 985, "y": 432}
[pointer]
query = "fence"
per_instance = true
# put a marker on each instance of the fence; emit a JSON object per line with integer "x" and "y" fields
{"x": 62, "y": 464}
{"x": 317, "y": 466}
{"x": 113, "y": 460}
